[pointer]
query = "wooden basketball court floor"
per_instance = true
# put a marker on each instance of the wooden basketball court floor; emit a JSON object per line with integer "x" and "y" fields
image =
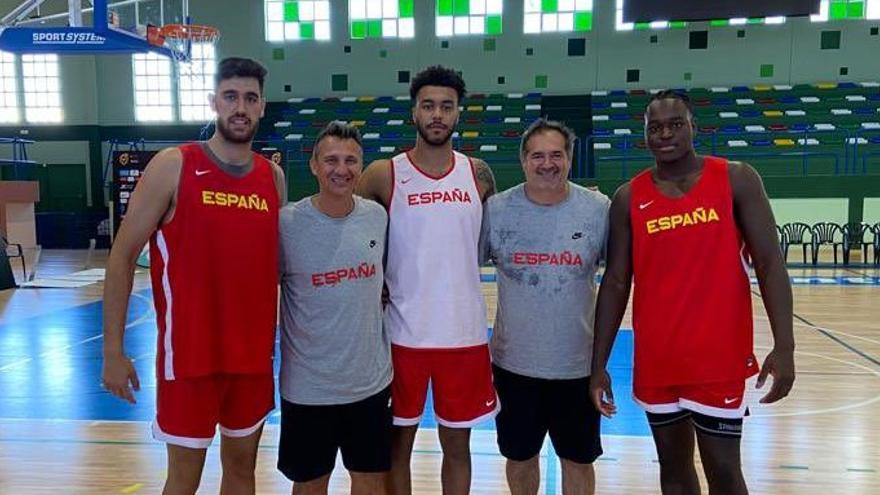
{"x": 61, "y": 433}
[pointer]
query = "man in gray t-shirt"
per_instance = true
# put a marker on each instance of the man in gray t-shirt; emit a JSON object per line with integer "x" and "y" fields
{"x": 335, "y": 355}
{"x": 545, "y": 237}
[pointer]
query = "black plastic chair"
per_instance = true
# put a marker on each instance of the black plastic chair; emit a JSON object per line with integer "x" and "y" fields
{"x": 876, "y": 230}
{"x": 14, "y": 251}
{"x": 854, "y": 238}
{"x": 793, "y": 235}
{"x": 826, "y": 234}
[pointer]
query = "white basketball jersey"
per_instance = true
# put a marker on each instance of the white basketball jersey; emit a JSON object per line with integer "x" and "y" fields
{"x": 433, "y": 272}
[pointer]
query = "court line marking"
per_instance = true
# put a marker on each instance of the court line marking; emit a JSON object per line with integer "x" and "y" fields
{"x": 817, "y": 327}
{"x": 826, "y": 410}
{"x": 829, "y": 335}
{"x": 146, "y": 316}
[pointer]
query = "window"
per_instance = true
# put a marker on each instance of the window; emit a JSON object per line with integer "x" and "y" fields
{"x": 152, "y": 87}
{"x": 9, "y": 112}
{"x": 42, "y": 88}
{"x": 293, "y": 20}
{"x": 195, "y": 82}
{"x": 548, "y": 16}
{"x": 629, "y": 26}
{"x": 381, "y": 19}
{"x": 463, "y": 17}
{"x": 836, "y": 10}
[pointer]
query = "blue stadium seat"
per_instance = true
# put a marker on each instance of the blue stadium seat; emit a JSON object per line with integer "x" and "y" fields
{"x": 617, "y": 92}
{"x": 599, "y": 105}
{"x": 847, "y": 85}
{"x": 762, "y": 142}
{"x": 602, "y": 132}
{"x": 724, "y": 102}
{"x": 864, "y": 111}
{"x": 750, "y": 114}
{"x": 620, "y": 116}
{"x": 731, "y": 129}
{"x": 741, "y": 89}
{"x": 800, "y": 126}
{"x": 789, "y": 100}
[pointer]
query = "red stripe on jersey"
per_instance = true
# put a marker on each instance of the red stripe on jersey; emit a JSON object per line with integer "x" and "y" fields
{"x": 692, "y": 310}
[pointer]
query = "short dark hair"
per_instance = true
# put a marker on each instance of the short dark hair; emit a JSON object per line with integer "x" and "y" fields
{"x": 545, "y": 125}
{"x": 337, "y": 129}
{"x": 437, "y": 75}
{"x": 668, "y": 94}
{"x": 240, "y": 67}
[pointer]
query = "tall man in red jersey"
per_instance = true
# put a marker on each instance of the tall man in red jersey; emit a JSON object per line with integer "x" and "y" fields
{"x": 436, "y": 316}
{"x": 679, "y": 232}
{"x": 210, "y": 212}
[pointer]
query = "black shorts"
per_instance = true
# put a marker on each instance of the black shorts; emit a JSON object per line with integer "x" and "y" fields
{"x": 312, "y": 435}
{"x": 703, "y": 423}
{"x": 533, "y": 407}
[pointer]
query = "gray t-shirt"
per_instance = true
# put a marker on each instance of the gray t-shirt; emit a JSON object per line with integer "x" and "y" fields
{"x": 546, "y": 259}
{"x": 334, "y": 349}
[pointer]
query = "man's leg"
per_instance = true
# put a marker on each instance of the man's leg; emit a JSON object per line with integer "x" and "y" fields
{"x": 521, "y": 428}
{"x": 720, "y": 453}
{"x": 409, "y": 391}
{"x": 317, "y": 486}
{"x": 577, "y": 478}
{"x": 247, "y": 401}
{"x": 674, "y": 438}
{"x": 456, "y": 472}
{"x": 238, "y": 455}
{"x": 186, "y": 420}
{"x": 184, "y": 470}
{"x": 400, "y": 477}
{"x": 367, "y": 483}
{"x": 524, "y": 477}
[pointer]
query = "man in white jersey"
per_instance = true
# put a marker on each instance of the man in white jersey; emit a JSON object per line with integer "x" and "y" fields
{"x": 436, "y": 316}
{"x": 546, "y": 237}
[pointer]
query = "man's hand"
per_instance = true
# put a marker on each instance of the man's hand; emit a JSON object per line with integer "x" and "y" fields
{"x": 601, "y": 394}
{"x": 117, "y": 373}
{"x": 780, "y": 365}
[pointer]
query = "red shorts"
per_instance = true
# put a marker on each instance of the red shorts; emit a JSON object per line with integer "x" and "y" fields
{"x": 189, "y": 410}
{"x": 461, "y": 385}
{"x": 720, "y": 400}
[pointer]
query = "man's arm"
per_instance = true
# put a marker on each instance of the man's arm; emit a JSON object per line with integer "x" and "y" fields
{"x": 375, "y": 183}
{"x": 755, "y": 219}
{"x": 612, "y": 300}
{"x": 485, "y": 179}
{"x": 280, "y": 184}
{"x": 149, "y": 204}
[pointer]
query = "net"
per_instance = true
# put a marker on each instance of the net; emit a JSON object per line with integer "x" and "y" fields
{"x": 192, "y": 46}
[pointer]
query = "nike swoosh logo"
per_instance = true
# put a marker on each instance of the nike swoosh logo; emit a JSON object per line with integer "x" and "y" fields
{"x": 200, "y": 173}
{"x": 490, "y": 402}
{"x": 730, "y": 401}
{"x": 404, "y": 181}
{"x": 642, "y": 206}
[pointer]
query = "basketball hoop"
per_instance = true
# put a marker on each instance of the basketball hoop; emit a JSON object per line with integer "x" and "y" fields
{"x": 181, "y": 37}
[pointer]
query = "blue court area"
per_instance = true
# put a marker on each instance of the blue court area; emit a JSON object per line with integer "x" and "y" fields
{"x": 50, "y": 368}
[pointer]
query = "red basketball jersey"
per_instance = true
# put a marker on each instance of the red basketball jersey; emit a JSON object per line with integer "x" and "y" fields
{"x": 692, "y": 309}
{"x": 214, "y": 270}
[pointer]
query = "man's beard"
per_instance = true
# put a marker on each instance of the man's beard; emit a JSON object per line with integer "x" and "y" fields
{"x": 434, "y": 141}
{"x": 230, "y": 136}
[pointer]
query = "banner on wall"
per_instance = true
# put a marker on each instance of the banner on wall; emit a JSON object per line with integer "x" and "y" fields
{"x": 128, "y": 167}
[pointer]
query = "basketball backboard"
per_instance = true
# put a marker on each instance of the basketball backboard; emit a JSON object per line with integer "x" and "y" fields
{"x": 90, "y": 27}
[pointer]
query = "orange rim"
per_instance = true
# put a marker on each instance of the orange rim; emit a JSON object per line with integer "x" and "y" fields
{"x": 194, "y": 32}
